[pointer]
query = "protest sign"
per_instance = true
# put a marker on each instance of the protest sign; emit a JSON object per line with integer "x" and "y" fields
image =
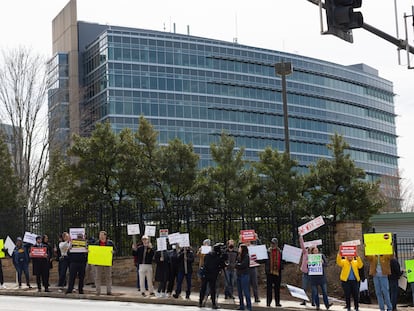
{"x": 184, "y": 240}
{"x": 312, "y": 243}
{"x": 78, "y": 246}
{"x": 297, "y": 292}
{"x": 162, "y": 244}
{"x": 164, "y": 233}
{"x": 2, "y": 254}
{"x": 150, "y": 230}
{"x": 75, "y": 232}
{"x": 347, "y": 251}
{"x": 259, "y": 252}
{"x": 409, "y": 268}
{"x": 174, "y": 238}
{"x": 247, "y": 235}
{"x": 291, "y": 253}
{"x": 133, "y": 229}
{"x": 378, "y": 244}
{"x": 100, "y": 255}
{"x": 205, "y": 249}
{"x": 352, "y": 243}
{"x": 38, "y": 252}
{"x": 29, "y": 238}
{"x": 315, "y": 264}
{"x": 9, "y": 245}
{"x": 311, "y": 225}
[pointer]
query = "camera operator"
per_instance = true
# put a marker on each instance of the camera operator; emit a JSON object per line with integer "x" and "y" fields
{"x": 214, "y": 262}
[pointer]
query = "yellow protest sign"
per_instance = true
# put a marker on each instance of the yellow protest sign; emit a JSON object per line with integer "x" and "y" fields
{"x": 378, "y": 244}
{"x": 2, "y": 254}
{"x": 100, "y": 255}
{"x": 409, "y": 267}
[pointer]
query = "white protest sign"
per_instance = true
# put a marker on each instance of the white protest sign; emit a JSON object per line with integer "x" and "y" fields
{"x": 150, "y": 230}
{"x": 133, "y": 229}
{"x": 297, "y": 292}
{"x": 291, "y": 253}
{"x": 257, "y": 252}
{"x": 185, "y": 240}
{"x": 29, "y": 238}
{"x": 315, "y": 264}
{"x": 174, "y": 238}
{"x": 363, "y": 285}
{"x": 9, "y": 245}
{"x": 73, "y": 232}
{"x": 205, "y": 249}
{"x": 352, "y": 243}
{"x": 311, "y": 225}
{"x": 161, "y": 244}
{"x": 312, "y": 243}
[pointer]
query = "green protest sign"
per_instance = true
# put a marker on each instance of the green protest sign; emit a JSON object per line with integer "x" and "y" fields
{"x": 409, "y": 267}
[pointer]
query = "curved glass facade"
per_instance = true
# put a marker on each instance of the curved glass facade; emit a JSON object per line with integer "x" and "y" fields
{"x": 194, "y": 88}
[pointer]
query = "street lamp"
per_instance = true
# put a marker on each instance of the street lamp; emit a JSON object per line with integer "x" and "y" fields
{"x": 283, "y": 69}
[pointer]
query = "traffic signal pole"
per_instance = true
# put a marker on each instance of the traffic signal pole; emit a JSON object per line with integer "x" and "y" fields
{"x": 347, "y": 36}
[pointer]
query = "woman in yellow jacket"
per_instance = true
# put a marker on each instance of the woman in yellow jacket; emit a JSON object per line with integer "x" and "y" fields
{"x": 350, "y": 278}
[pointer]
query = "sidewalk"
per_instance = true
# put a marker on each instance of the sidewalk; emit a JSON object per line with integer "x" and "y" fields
{"x": 130, "y": 294}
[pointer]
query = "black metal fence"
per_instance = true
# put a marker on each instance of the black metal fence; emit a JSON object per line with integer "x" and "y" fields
{"x": 217, "y": 226}
{"x": 404, "y": 249}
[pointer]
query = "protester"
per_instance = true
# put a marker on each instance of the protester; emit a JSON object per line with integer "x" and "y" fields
{"x": 214, "y": 262}
{"x": 173, "y": 271}
{"x": 21, "y": 260}
{"x": 185, "y": 270}
{"x": 273, "y": 270}
{"x": 77, "y": 266}
{"x": 145, "y": 255}
{"x": 63, "y": 259}
{"x": 230, "y": 270}
{"x": 105, "y": 271}
{"x": 243, "y": 278}
{"x": 350, "y": 278}
{"x": 2, "y": 286}
{"x": 393, "y": 281}
{"x": 162, "y": 272}
{"x": 320, "y": 281}
{"x": 90, "y": 269}
{"x": 380, "y": 269}
{"x": 304, "y": 268}
{"x": 201, "y": 255}
{"x": 41, "y": 266}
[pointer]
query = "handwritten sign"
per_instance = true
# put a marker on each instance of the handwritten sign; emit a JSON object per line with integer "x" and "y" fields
{"x": 205, "y": 249}
{"x": 29, "y": 238}
{"x": 297, "y": 292}
{"x": 184, "y": 240}
{"x": 352, "y": 243}
{"x": 291, "y": 253}
{"x": 161, "y": 244}
{"x": 174, "y": 238}
{"x": 347, "y": 251}
{"x": 164, "y": 233}
{"x": 311, "y": 225}
{"x": 315, "y": 264}
{"x": 258, "y": 252}
{"x": 312, "y": 243}
{"x": 133, "y": 229}
{"x": 75, "y": 232}
{"x": 150, "y": 230}
{"x": 378, "y": 244}
{"x": 247, "y": 235}
{"x": 100, "y": 255}
{"x": 78, "y": 246}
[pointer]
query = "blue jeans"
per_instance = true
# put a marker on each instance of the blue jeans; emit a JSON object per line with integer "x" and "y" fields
{"x": 230, "y": 283}
{"x": 22, "y": 268}
{"x": 315, "y": 294}
{"x": 382, "y": 291}
{"x": 180, "y": 278}
{"x": 243, "y": 288}
{"x": 306, "y": 283}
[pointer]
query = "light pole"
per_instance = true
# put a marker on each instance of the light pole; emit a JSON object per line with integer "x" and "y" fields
{"x": 283, "y": 69}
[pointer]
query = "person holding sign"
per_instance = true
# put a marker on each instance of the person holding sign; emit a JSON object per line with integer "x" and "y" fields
{"x": 40, "y": 262}
{"x": 243, "y": 277}
{"x": 145, "y": 255}
{"x": 105, "y": 271}
{"x": 77, "y": 265}
{"x": 63, "y": 260}
{"x": 185, "y": 261}
{"x": 273, "y": 268}
{"x": 316, "y": 269}
{"x": 304, "y": 268}
{"x": 350, "y": 278}
{"x": 380, "y": 269}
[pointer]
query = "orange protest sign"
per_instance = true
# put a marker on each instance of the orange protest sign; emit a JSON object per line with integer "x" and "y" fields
{"x": 247, "y": 235}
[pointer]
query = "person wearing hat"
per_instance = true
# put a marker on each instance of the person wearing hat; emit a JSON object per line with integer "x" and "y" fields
{"x": 21, "y": 260}
{"x": 273, "y": 268}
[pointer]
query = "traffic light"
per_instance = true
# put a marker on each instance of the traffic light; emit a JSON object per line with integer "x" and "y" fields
{"x": 341, "y": 18}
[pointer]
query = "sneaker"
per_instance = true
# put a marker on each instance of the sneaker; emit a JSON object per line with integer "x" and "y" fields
{"x": 278, "y": 305}
{"x": 152, "y": 294}
{"x": 329, "y": 305}
{"x": 257, "y": 300}
{"x": 175, "y": 295}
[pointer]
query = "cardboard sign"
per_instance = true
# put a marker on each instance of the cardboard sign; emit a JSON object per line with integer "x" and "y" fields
{"x": 174, "y": 238}
{"x": 100, "y": 255}
{"x": 163, "y": 233}
{"x": 257, "y": 252}
{"x": 352, "y": 243}
{"x": 247, "y": 235}
{"x": 29, "y": 238}
{"x": 205, "y": 249}
{"x": 150, "y": 230}
{"x": 315, "y": 264}
{"x": 312, "y": 243}
{"x": 161, "y": 244}
{"x": 9, "y": 245}
{"x": 311, "y": 225}
{"x": 297, "y": 292}
{"x": 75, "y": 232}
{"x": 378, "y": 244}
{"x": 291, "y": 253}
{"x": 38, "y": 252}
{"x": 347, "y": 251}
{"x": 133, "y": 229}
{"x": 184, "y": 240}
{"x": 409, "y": 268}
{"x": 2, "y": 254}
{"x": 78, "y": 246}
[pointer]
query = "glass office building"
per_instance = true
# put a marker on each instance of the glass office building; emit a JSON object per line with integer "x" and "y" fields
{"x": 195, "y": 88}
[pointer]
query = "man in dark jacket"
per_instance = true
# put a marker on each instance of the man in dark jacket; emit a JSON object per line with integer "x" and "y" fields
{"x": 185, "y": 261}
{"x": 77, "y": 265}
{"x": 214, "y": 262}
{"x": 145, "y": 255}
{"x": 393, "y": 281}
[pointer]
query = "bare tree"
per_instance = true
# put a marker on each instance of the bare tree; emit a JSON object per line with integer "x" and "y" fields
{"x": 23, "y": 83}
